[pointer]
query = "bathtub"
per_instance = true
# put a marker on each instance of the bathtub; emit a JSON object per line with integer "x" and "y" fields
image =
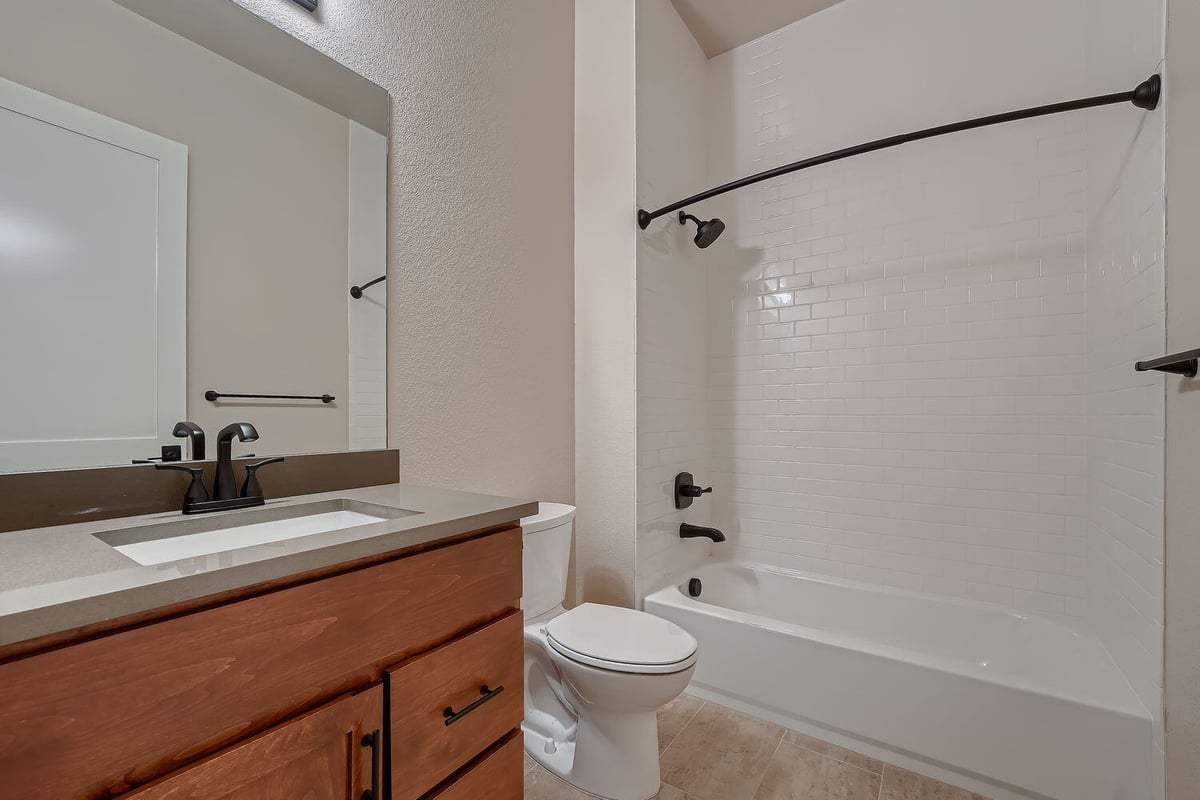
{"x": 1007, "y": 705}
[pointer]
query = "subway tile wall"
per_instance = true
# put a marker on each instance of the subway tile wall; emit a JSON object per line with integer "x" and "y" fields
{"x": 1126, "y": 421}
{"x": 901, "y": 398}
{"x": 897, "y": 373}
{"x": 1126, "y": 322}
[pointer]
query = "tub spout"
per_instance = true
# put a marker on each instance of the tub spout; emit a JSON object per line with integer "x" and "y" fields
{"x": 696, "y": 532}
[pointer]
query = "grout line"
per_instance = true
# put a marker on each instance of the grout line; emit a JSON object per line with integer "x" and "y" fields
{"x": 841, "y": 761}
{"x": 770, "y": 761}
{"x": 682, "y": 728}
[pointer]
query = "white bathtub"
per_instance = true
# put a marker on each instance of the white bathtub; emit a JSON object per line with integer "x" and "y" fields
{"x": 1011, "y": 705}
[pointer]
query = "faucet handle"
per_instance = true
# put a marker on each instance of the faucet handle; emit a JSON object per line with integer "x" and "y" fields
{"x": 686, "y": 490}
{"x": 196, "y": 492}
{"x": 251, "y": 487}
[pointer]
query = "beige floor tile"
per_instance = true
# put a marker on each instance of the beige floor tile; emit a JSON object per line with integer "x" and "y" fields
{"x": 900, "y": 784}
{"x": 664, "y": 741}
{"x": 799, "y": 774}
{"x": 721, "y": 754}
{"x": 835, "y": 752}
{"x": 530, "y": 764}
{"x": 541, "y": 785}
{"x": 678, "y": 713}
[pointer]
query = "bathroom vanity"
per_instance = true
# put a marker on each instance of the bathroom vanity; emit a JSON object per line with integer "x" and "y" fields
{"x": 383, "y": 660}
{"x": 201, "y": 244}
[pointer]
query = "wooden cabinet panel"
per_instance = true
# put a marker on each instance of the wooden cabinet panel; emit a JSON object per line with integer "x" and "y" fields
{"x": 426, "y": 746}
{"x": 498, "y": 776}
{"x": 98, "y": 718}
{"x": 323, "y": 755}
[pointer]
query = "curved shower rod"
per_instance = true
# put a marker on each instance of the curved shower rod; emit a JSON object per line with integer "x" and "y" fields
{"x": 1145, "y": 96}
{"x": 357, "y": 291}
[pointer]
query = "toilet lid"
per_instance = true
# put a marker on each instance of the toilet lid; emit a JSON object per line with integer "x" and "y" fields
{"x": 621, "y": 639}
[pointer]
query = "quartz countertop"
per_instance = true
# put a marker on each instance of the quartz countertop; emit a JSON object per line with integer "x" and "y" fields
{"x": 62, "y": 578}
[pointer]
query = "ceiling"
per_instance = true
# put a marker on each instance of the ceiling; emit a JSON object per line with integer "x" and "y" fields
{"x": 721, "y": 25}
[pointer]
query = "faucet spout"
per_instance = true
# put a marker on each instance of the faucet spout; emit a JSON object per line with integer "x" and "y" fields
{"x": 687, "y": 531}
{"x": 225, "y": 487}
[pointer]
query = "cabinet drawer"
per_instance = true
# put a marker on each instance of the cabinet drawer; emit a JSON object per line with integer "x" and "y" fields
{"x": 441, "y": 717}
{"x": 323, "y": 755}
{"x": 498, "y": 776}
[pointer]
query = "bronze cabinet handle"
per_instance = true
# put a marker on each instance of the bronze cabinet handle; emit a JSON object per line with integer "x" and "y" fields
{"x": 371, "y": 740}
{"x": 485, "y": 694}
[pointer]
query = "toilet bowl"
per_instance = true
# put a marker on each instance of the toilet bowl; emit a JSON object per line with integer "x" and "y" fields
{"x": 595, "y": 676}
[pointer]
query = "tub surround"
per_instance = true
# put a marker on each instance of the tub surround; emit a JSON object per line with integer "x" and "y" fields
{"x": 64, "y": 578}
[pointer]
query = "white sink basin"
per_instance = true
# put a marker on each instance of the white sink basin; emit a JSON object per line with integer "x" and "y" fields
{"x": 174, "y": 541}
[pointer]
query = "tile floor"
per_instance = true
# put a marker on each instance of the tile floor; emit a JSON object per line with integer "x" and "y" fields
{"x": 710, "y": 752}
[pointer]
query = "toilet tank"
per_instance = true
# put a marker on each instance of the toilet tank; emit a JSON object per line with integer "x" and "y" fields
{"x": 547, "y": 551}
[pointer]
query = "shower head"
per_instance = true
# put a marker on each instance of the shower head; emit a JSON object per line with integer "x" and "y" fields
{"x": 706, "y": 232}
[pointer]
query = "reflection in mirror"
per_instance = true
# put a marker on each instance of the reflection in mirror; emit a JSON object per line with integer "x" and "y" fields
{"x": 176, "y": 221}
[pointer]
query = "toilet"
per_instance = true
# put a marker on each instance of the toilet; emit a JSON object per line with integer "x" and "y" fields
{"x": 595, "y": 676}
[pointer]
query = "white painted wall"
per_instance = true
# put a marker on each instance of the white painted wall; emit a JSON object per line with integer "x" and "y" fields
{"x": 672, "y": 331}
{"x": 480, "y": 355}
{"x": 605, "y": 302}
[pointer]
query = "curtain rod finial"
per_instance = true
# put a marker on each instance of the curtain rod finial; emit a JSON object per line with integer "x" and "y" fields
{"x": 1148, "y": 92}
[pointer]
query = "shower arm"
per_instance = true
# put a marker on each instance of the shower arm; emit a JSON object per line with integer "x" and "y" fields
{"x": 1145, "y": 96}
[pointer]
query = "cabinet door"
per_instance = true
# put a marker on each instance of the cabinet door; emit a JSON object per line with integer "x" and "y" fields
{"x": 328, "y": 754}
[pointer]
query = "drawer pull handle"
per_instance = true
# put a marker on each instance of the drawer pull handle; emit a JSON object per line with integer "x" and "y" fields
{"x": 371, "y": 740}
{"x": 485, "y": 694}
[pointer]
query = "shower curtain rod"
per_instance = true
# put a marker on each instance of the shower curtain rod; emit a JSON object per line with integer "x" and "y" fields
{"x": 1145, "y": 96}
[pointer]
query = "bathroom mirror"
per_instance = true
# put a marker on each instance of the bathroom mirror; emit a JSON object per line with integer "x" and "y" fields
{"x": 187, "y": 197}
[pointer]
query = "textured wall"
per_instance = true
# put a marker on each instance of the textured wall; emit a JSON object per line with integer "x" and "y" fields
{"x": 605, "y": 302}
{"x": 672, "y": 331}
{"x": 897, "y": 373}
{"x": 480, "y": 361}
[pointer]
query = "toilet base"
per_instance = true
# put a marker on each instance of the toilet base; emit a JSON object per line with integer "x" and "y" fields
{"x": 627, "y": 740}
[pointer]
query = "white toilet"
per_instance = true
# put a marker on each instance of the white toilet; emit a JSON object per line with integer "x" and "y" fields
{"x": 595, "y": 676}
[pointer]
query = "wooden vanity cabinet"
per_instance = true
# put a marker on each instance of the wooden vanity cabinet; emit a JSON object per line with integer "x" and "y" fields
{"x": 271, "y": 694}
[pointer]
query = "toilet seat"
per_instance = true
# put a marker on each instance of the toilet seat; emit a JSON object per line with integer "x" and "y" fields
{"x": 621, "y": 640}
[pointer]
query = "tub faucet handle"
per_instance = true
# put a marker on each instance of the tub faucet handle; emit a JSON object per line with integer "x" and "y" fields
{"x": 686, "y": 490}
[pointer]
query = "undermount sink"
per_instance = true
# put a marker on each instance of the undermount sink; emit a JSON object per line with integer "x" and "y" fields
{"x": 172, "y": 541}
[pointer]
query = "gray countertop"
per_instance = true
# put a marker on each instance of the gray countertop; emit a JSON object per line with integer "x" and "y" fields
{"x": 62, "y": 578}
